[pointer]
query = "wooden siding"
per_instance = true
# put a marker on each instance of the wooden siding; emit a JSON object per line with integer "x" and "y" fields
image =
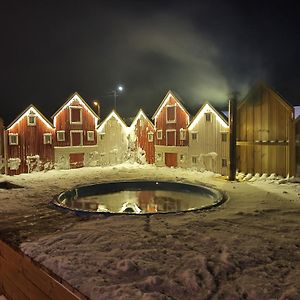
{"x": 112, "y": 143}
{"x": 62, "y": 122}
{"x": 265, "y": 133}
{"x": 209, "y": 140}
{"x": 1, "y": 146}
{"x": 21, "y": 278}
{"x": 142, "y": 128}
{"x": 297, "y": 133}
{"x": 30, "y": 143}
{"x": 182, "y": 121}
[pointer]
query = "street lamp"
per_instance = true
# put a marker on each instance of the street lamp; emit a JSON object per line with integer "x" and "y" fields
{"x": 119, "y": 88}
{"x": 97, "y": 104}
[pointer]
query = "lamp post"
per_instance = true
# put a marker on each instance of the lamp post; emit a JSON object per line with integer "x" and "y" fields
{"x": 232, "y": 134}
{"x": 115, "y": 93}
{"x": 97, "y": 104}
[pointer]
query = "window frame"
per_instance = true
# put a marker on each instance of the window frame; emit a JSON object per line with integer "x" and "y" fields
{"x": 167, "y": 120}
{"x": 222, "y": 163}
{"x": 45, "y": 135}
{"x": 150, "y": 134}
{"x": 182, "y": 134}
{"x": 194, "y": 157}
{"x": 159, "y": 132}
{"x": 88, "y": 137}
{"x": 210, "y": 117}
{"x": 70, "y": 114}
{"x": 28, "y": 118}
{"x": 197, "y": 134}
{"x": 10, "y": 135}
{"x": 62, "y": 132}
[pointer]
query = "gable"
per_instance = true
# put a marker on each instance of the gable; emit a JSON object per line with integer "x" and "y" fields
{"x": 169, "y": 96}
{"x": 31, "y": 109}
{"x": 115, "y": 116}
{"x": 208, "y": 108}
{"x": 75, "y": 99}
{"x": 141, "y": 115}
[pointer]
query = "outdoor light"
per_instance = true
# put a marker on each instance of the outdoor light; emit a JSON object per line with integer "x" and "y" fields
{"x": 97, "y": 104}
{"x": 119, "y": 88}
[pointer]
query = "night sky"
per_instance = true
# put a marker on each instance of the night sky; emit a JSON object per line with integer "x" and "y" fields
{"x": 202, "y": 50}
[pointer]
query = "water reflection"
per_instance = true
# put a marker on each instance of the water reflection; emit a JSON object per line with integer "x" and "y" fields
{"x": 142, "y": 201}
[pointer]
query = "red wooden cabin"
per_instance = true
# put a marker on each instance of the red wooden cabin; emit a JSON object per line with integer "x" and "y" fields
{"x": 29, "y": 142}
{"x": 144, "y": 132}
{"x": 75, "y": 133}
{"x": 171, "y": 120}
{"x": 1, "y": 146}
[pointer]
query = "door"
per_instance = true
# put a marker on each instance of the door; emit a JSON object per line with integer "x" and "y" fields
{"x": 76, "y": 160}
{"x": 76, "y": 138}
{"x": 171, "y": 159}
{"x": 171, "y": 138}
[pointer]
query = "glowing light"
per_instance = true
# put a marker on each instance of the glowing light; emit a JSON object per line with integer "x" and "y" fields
{"x": 120, "y": 88}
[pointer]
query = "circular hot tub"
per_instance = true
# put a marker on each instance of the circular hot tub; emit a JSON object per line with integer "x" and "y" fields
{"x": 138, "y": 197}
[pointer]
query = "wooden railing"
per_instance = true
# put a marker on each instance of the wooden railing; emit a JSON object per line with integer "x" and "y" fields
{"x": 22, "y": 278}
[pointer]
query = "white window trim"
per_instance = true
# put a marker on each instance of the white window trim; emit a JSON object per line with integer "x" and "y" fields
{"x": 28, "y": 118}
{"x": 45, "y": 135}
{"x": 70, "y": 114}
{"x": 226, "y": 133}
{"x": 208, "y": 113}
{"x": 170, "y": 121}
{"x": 159, "y": 157}
{"x": 81, "y": 137}
{"x": 195, "y": 156}
{"x": 197, "y": 133}
{"x": 222, "y": 163}
{"x": 150, "y": 136}
{"x": 57, "y": 135}
{"x": 17, "y": 140}
{"x": 170, "y": 130}
{"x": 89, "y": 138}
{"x": 182, "y": 134}
{"x": 102, "y": 135}
{"x": 161, "y": 134}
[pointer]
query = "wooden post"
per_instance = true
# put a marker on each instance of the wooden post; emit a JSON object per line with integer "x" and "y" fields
{"x": 232, "y": 135}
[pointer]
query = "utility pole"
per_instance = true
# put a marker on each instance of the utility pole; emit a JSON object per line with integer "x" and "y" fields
{"x": 232, "y": 134}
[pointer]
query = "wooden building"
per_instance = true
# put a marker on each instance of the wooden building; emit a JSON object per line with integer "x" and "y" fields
{"x": 265, "y": 133}
{"x": 112, "y": 140}
{"x": 209, "y": 140}
{"x": 29, "y": 142}
{"x": 171, "y": 120}
{"x": 297, "y": 131}
{"x": 1, "y": 146}
{"x": 142, "y": 133}
{"x": 75, "y": 134}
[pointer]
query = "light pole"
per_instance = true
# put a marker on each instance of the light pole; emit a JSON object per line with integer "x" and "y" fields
{"x": 97, "y": 104}
{"x": 232, "y": 134}
{"x": 119, "y": 88}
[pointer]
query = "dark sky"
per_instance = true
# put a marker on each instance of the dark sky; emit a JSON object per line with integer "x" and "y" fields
{"x": 202, "y": 50}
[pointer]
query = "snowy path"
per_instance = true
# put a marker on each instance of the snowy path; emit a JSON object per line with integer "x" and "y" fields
{"x": 247, "y": 249}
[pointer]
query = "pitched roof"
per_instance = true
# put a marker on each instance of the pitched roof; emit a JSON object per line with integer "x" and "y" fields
{"x": 220, "y": 116}
{"x": 116, "y": 116}
{"x": 139, "y": 114}
{"x": 27, "y": 110}
{"x": 70, "y": 99}
{"x": 262, "y": 86}
{"x": 166, "y": 98}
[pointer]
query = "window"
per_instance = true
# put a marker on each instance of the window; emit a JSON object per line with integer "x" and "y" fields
{"x": 75, "y": 115}
{"x": 194, "y": 159}
{"x": 224, "y": 136}
{"x": 47, "y": 138}
{"x": 171, "y": 113}
{"x": 158, "y": 157}
{"x": 208, "y": 117}
{"x": 150, "y": 136}
{"x": 224, "y": 162}
{"x": 61, "y": 136}
{"x": 159, "y": 134}
{"x": 31, "y": 120}
{"x": 182, "y": 158}
{"x": 182, "y": 134}
{"x": 102, "y": 135}
{"x": 90, "y": 136}
{"x": 13, "y": 139}
{"x": 195, "y": 136}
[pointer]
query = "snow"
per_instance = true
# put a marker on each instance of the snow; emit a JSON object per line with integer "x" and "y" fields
{"x": 246, "y": 249}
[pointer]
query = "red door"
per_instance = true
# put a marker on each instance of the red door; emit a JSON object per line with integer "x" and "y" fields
{"x": 76, "y": 160}
{"x": 171, "y": 138}
{"x": 171, "y": 159}
{"x": 76, "y": 138}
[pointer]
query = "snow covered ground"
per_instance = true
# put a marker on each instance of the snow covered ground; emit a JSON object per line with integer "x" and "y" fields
{"x": 249, "y": 248}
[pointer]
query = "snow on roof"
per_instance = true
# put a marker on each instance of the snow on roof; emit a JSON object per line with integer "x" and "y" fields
{"x": 208, "y": 107}
{"x": 138, "y": 116}
{"x": 165, "y": 100}
{"x": 115, "y": 115}
{"x": 26, "y": 112}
